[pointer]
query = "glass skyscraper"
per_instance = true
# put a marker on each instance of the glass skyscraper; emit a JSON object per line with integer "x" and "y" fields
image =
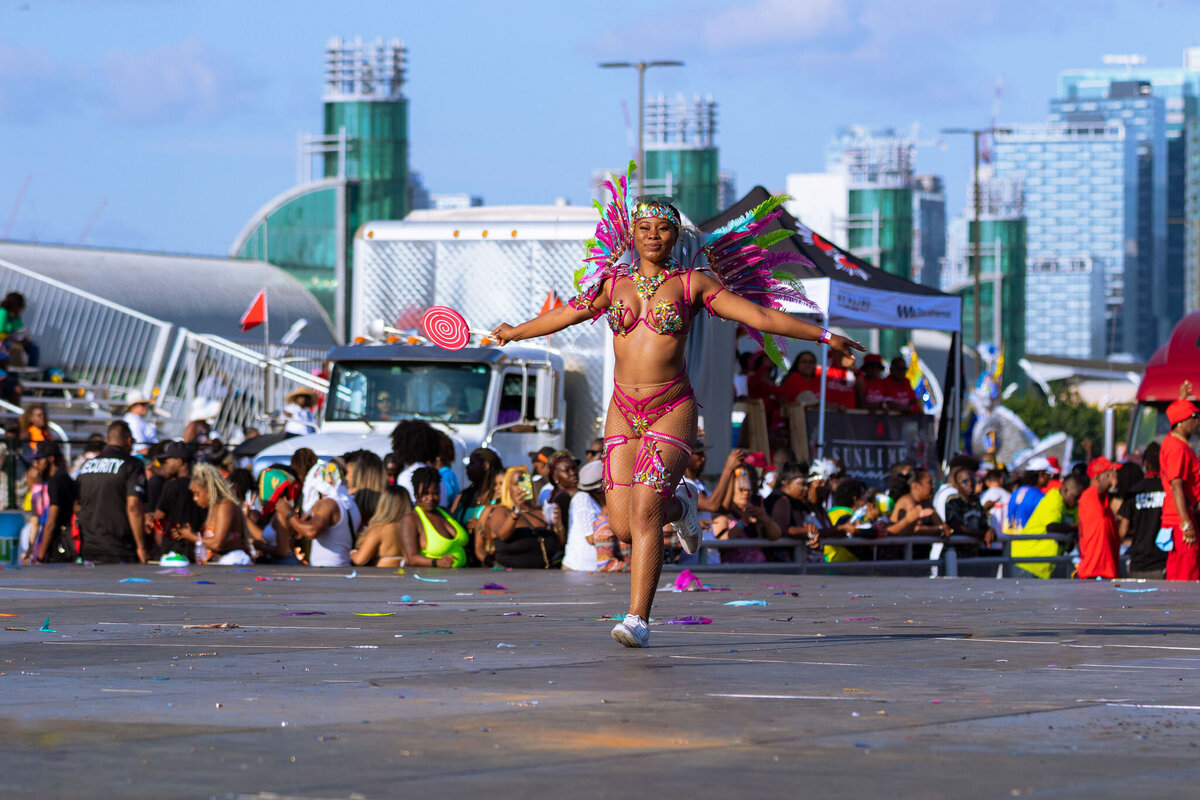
{"x": 1179, "y": 88}
{"x": 1081, "y": 204}
{"x": 681, "y": 159}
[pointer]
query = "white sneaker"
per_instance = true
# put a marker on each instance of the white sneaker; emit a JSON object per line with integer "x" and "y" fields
{"x": 632, "y": 631}
{"x": 687, "y": 527}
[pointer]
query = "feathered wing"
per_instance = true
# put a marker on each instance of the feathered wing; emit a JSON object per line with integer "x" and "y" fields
{"x": 614, "y": 236}
{"x": 737, "y": 256}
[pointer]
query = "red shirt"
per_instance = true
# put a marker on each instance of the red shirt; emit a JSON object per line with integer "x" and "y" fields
{"x": 1098, "y": 542}
{"x": 796, "y": 383}
{"x": 839, "y": 388}
{"x": 900, "y": 396}
{"x": 1176, "y": 460}
{"x": 875, "y": 391}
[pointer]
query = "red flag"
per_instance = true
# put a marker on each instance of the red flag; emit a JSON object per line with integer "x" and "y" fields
{"x": 552, "y": 301}
{"x": 256, "y": 314}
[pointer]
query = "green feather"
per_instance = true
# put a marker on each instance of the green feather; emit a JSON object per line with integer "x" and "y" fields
{"x": 596, "y": 204}
{"x": 771, "y": 348}
{"x": 578, "y": 277}
{"x": 774, "y": 237}
{"x": 632, "y": 168}
{"x": 770, "y": 204}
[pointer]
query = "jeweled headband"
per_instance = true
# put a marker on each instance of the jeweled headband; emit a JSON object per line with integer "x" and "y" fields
{"x": 659, "y": 210}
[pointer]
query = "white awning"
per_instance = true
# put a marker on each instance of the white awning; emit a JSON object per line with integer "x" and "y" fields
{"x": 856, "y": 306}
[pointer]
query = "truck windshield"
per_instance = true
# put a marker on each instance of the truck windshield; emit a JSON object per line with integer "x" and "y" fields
{"x": 376, "y": 390}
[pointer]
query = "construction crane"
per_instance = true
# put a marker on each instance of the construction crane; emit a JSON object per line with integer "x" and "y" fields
{"x": 12, "y": 215}
{"x": 91, "y": 222}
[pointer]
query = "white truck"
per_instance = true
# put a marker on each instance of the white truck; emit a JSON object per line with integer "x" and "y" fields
{"x": 509, "y": 399}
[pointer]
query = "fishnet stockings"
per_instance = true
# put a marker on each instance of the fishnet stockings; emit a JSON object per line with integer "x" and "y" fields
{"x": 637, "y": 513}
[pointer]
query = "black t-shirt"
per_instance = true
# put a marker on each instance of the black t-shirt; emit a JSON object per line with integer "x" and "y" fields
{"x": 154, "y": 488}
{"x": 968, "y": 514}
{"x": 104, "y": 484}
{"x": 178, "y": 505}
{"x": 1143, "y": 508}
{"x": 61, "y": 491}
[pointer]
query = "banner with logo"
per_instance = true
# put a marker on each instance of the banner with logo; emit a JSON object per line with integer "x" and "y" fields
{"x": 868, "y": 445}
{"x": 859, "y": 306}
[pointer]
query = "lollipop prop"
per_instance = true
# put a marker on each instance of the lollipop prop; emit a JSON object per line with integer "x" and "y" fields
{"x": 447, "y": 328}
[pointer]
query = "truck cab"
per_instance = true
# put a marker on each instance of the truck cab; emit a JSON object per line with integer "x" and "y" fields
{"x": 509, "y": 399}
{"x": 1175, "y": 362}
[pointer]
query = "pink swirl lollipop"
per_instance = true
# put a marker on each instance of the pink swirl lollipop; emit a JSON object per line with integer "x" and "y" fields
{"x": 445, "y": 327}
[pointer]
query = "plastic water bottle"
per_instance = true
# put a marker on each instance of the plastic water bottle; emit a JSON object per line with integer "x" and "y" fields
{"x": 201, "y": 552}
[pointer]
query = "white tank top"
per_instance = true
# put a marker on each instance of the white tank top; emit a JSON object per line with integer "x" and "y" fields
{"x": 332, "y": 548}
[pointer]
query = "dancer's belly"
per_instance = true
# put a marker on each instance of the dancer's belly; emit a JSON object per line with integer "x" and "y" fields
{"x": 645, "y": 357}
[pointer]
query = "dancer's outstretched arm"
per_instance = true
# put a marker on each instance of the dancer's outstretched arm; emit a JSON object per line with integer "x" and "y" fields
{"x": 769, "y": 320}
{"x": 552, "y": 321}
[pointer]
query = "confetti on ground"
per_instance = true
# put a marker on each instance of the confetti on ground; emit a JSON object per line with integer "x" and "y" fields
{"x": 16, "y": 629}
{"x": 374, "y": 613}
{"x": 202, "y": 582}
{"x": 781, "y": 585}
{"x": 302, "y": 613}
{"x": 10, "y": 615}
{"x": 505, "y": 644}
{"x": 213, "y": 625}
{"x": 1135, "y": 591}
{"x": 495, "y": 587}
{"x": 747, "y": 603}
{"x": 269, "y": 578}
{"x": 136, "y": 580}
{"x": 861, "y": 619}
{"x": 688, "y": 621}
{"x": 421, "y": 633}
{"x": 429, "y": 580}
{"x": 46, "y": 627}
{"x": 511, "y": 614}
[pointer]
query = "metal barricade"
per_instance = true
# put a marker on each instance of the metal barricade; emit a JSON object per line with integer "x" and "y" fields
{"x": 208, "y": 377}
{"x": 92, "y": 339}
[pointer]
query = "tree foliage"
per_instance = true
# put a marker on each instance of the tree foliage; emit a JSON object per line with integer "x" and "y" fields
{"x": 1070, "y": 414}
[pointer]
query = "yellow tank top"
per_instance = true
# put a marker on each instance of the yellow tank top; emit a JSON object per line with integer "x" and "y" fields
{"x": 438, "y": 546}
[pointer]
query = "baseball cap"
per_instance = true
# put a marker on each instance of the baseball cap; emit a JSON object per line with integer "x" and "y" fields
{"x": 591, "y": 475}
{"x": 1039, "y": 464}
{"x": 179, "y": 450}
{"x": 1055, "y": 465}
{"x": 542, "y": 456}
{"x": 1100, "y": 464}
{"x": 1180, "y": 410}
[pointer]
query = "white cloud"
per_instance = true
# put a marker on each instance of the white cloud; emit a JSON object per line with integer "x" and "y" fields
{"x": 775, "y": 22}
{"x": 189, "y": 82}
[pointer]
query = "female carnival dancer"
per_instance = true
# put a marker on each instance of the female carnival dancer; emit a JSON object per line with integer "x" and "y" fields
{"x": 649, "y": 301}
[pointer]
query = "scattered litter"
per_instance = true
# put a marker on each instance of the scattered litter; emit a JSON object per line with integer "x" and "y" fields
{"x": 935, "y": 702}
{"x": 861, "y": 619}
{"x": 687, "y": 582}
{"x": 411, "y": 603}
{"x": 46, "y": 627}
{"x": 136, "y": 580}
{"x": 420, "y": 633}
{"x": 688, "y": 621}
{"x": 405, "y": 599}
{"x": 16, "y": 629}
{"x": 747, "y": 603}
{"x": 854, "y": 714}
{"x": 494, "y": 587}
{"x": 161, "y": 678}
{"x": 225, "y": 625}
{"x": 364, "y": 647}
{"x": 525, "y": 704}
{"x": 270, "y": 578}
{"x": 464, "y": 594}
{"x": 468, "y": 658}
{"x": 511, "y": 614}
{"x": 430, "y": 580}
{"x": 302, "y": 613}
{"x": 353, "y": 574}
{"x": 781, "y": 585}
{"x": 862, "y": 744}
{"x": 201, "y": 581}
{"x": 10, "y": 615}
{"x": 854, "y": 690}
{"x": 777, "y": 619}
{"x": 374, "y": 613}
{"x": 1136, "y": 591}
{"x": 505, "y": 644}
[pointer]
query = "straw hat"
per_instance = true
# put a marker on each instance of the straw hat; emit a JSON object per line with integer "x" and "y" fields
{"x": 136, "y": 398}
{"x": 301, "y": 390}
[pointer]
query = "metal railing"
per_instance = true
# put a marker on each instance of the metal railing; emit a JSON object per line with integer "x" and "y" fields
{"x": 208, "y": 377}
{"x": 91, "y": 338}
{"x": 949, "y": 563}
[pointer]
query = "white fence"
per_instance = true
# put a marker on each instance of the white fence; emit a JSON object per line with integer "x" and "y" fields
{"x": 90, "y": 338}
{"x": 208, "y": 377}
{"x": 120, "y": 350}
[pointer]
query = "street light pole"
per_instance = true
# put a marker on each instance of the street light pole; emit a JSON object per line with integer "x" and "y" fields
{"x": 977, "y": 305}
{"x": 641, "y": 67}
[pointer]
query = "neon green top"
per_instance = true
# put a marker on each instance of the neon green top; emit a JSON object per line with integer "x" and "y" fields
{"x": 437, "y": 545}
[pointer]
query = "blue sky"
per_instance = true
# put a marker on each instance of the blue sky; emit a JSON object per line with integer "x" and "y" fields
{"x": 178, "y": 119}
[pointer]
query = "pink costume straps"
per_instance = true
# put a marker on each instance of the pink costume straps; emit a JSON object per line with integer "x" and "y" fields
{"x": 648, "y": 469}
{"x": 664, "y": 317}
{"x": 639, "y": 415}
